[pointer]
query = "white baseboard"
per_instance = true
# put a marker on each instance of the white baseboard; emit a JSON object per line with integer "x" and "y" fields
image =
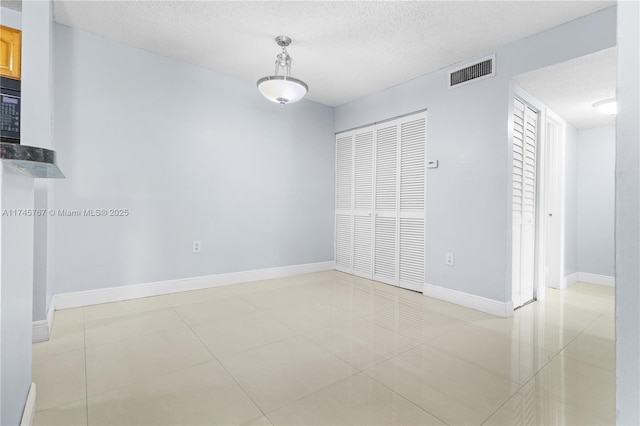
{"x": 586, "y": 277}
{"x": 30, "y": 407}
{"x": 42, "y": 329}
{"x": 136, "y": 291}
{"x": 479, "y": 303}
{"x": 605, "y": 280}
{"x": 568, "y": 281}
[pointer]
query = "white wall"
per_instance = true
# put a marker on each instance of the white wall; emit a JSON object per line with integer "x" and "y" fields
{"x": 627, "y": 222}
{"x": 16, "y": 278}
{"x": 36, "y": 90}
{"x": 37, "y": 130}
{"x": 596, "y": 190}
{"x": 468, "y": 196}
{"x": 192, "y": 155}
{"x": 571, "y": 202}
{"x": 16, "y": 294}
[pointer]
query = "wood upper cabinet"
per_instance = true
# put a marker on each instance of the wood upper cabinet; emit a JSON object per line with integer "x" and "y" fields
{"x": 10, "y": 51}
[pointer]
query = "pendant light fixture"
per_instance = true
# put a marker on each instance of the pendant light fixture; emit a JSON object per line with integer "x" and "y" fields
{"x": 281, "y": 87}
{"x": 607, "y": 107}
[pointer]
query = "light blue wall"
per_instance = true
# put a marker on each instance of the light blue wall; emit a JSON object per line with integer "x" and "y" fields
{"x": 36, "y": 130}
{"x": 16, "y": 276}
{"x": 468, "y": 196}
{"x": 16, "y": 294}
{"x": 596, "y": 200}
{"x": 627, "y": 223}
{"x": 193, "y": 155}
{"x": 10, "y": 18}
{"x": 571, "y": 202}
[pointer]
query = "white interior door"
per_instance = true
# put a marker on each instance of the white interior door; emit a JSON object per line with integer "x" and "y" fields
{"x": 413, "y": 138}
{"x": 386, "y": 202}
{"x": 554, "y": 206}
{"x": 344, "y": 202}
{"x": 380, "y": 201}
{"x": 525, "y": 137}
{"x": 363, "y": 203}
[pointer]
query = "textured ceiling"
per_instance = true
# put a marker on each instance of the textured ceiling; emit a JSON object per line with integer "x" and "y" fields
{"x": 342, "y": 49}
{"x": 571, "y": 88}
{"x": 12, "y": 4}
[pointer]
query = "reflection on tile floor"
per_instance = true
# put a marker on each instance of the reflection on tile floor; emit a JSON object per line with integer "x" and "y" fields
{"x": 328, "y": 349}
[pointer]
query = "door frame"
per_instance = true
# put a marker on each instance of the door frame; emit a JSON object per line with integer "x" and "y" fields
{"x": 530, "y": 103}
{"x": 544, "y": 115}
{"x": 538, "y": 268}
{"x": 552, "y": 119}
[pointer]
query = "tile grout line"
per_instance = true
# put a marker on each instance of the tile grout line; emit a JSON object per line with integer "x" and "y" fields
{"x": 520, "y": 388}
{"x": 459, "y": 359}
{"x": 557, "y": 398}
{"x": 184, "y": 323}
{"x": 358, "y": 370}
{"x": 481, "y": 367}
{"x": 147, "y": 379}
{"x": 220, "y": 363}
{"x": 304, "y": 396}
{"x": 400, "y": 395}
{"x": 556, "y": 354}
{"x": 343, "y": 380}
{"x": 44, "y": 358}
{"x": 580, "y": 334}
{"x": 362, "y": 371}
{"x": 135, "y": 336}
{"x": 298, "y": 334}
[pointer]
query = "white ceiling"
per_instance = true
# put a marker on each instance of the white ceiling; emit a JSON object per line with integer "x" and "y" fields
{"x": 12, "y": 4}
{"x": 571, "y": 88}
{"x": 342, "y": 49}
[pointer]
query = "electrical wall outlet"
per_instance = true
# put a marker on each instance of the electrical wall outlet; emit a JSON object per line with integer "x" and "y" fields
{"x": 197, "y": 246}
{"x": 448, "y": 259}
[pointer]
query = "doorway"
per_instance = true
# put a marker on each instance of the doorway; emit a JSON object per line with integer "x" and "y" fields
{"x": 524, "y": 206}
{"x": 554, "y": 214}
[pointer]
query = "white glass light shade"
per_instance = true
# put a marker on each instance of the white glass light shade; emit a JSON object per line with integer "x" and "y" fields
{"x": 608, "y": 107}
{"x": 281, "y": 89}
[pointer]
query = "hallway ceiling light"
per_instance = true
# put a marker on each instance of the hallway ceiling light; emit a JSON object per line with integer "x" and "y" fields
{"x": 607, "y": 107}
{"x": 282, "y": 89}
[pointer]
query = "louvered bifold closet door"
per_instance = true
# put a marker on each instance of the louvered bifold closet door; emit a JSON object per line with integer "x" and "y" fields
{"x": 385, "y": 268}
{"x": 344, "y": 202}
{"x": 518, "y": 189}
{"x": 363, "y": 203}
{"x": 413, "y": 138}
{"x": 529, "y": 203}
{"x": 525, "y": 142}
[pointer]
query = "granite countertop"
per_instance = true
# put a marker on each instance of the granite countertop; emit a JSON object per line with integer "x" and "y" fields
{"x": 30, "y": 160}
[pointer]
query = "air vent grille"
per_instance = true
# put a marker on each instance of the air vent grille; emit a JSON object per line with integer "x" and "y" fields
{"x": 485, "y": 68}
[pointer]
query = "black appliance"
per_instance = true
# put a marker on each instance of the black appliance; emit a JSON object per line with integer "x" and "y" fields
{"x": 9, "y": 110}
